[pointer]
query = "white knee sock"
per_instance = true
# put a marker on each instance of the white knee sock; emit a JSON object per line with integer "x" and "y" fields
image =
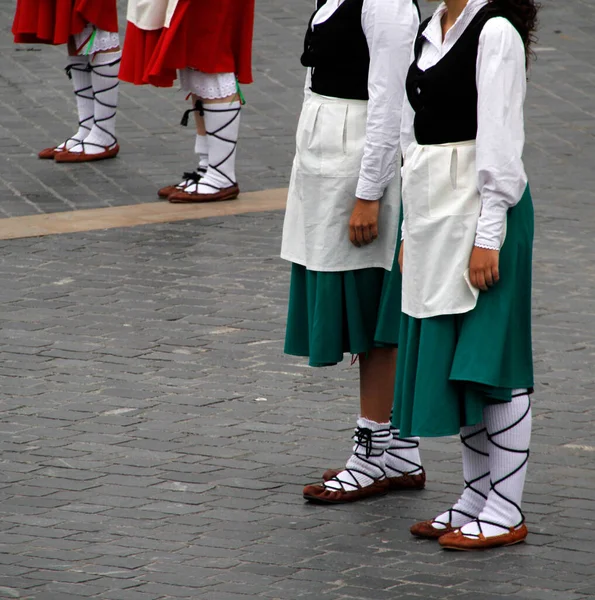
{"x": 476, "y": 472}
{"x": 80, "y": 73}
{"x": 201, "y": 149}
{"x": 402, "y": 456}
{"x": 509, "y": 433}
{"x": 366, "y": 465}
{"x": 190, "y": 180}
{"x": 222, "y": 122}
{"x": 105, "y": 68}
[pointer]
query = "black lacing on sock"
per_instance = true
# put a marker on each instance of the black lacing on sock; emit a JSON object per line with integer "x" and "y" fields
{"x": 97, "y": 122}
{"x": 234, "y": 143}
{"x": 494, "y": 484}
{"x": 80, "y": 92}
{"x": 470, "y": 484}
{"x": 404, "y": 444}
{"x": 450, "y": 513}
{"x": 363, "y": 437}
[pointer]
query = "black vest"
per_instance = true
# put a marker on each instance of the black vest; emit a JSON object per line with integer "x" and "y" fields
{"x": 337, "y": 51}
{"x": 444, "y": 97}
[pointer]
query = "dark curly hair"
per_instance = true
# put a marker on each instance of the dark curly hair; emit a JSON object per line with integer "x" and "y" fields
{"x": 523, "y": 15}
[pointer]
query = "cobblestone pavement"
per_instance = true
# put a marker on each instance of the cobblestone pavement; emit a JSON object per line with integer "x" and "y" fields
{"x": 37, "y": 110}
{"x": 155, "y": 439}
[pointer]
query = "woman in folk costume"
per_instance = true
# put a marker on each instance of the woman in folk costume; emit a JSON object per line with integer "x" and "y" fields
{"x": 340, "y": 230}
{"x": 90, "y": 30}
{"x": 209, "y": 44}
{"x": 465, "y": 364}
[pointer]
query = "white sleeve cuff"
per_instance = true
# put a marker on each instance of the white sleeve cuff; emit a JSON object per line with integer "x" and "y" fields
{"x": 490, "y": 226}
{"x": 366, "y": 190}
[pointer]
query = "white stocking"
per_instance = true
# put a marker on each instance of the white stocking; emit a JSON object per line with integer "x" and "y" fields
{"x": 79, "y": 71}
{"x": 402, "y": 457}
{"x": 201, "y": 150}
{"x": 366, "y": 464}
{"x": 476, "y": 473}
{"x": 508, "y": 426}
{"x": 105, "y": 67}
{"x": 222, "y": 122}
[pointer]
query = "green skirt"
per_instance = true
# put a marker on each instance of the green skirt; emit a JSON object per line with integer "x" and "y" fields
{"x": 333, "y": 313}
{"x": 450, "y": 367}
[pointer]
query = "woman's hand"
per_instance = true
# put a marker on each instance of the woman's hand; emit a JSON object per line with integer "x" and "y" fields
{"x": 483, "y": 268}
{"x": 401, "y": 257}
{"x": 363, "y": 225}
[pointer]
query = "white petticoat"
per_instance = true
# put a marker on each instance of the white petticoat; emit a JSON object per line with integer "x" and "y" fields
{"x": 104, "y": 40}
{"x": 208, "y": 85}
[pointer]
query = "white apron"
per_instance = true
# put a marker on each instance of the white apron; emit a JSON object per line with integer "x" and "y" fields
{"x": 441, "y": 205}
{"x": 329, "y": 149}
{"x": 150, "y": 15}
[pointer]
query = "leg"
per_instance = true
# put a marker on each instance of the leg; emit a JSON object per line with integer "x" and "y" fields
{"x": 201, "y": 145}
{"x": 377, "y": 385}
{"x": 476, "y": 473}
{"x": 79, "y": 71}
{"x": 101, "y": 142}
{"x": 218, "y": 116}
{"x": 501, "y": 521}
{"x": 367, "y": 467}
{"x": 190, "y": 179}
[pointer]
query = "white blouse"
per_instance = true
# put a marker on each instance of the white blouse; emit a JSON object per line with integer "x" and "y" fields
{"x": 501, "y": 86}
{"x": 390, "y": 27}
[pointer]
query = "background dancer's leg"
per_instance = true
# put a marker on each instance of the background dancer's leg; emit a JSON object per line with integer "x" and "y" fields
{"x": 101, "y": 141}
{"x": 222, "y": 122}
{"x": 201, "y": 146}
{"x": 190, "y": 179}
{"x": 79, "y": 71}
{"x": 218, "y": 120}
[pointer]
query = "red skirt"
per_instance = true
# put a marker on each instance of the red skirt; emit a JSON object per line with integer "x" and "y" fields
{"x": 54, "y": 21}
{"x": 212, "y": 37}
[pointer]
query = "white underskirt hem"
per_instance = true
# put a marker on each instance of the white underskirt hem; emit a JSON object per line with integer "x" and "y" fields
{"x": 210, "y": 86}
{"x": 103, "y": 41}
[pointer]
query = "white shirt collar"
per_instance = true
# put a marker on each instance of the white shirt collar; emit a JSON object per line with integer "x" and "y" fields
{"x": 326, "y": 11}
{"x": 433, "y": 32}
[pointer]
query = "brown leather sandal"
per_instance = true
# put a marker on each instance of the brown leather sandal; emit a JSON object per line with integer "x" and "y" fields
{"x": 459, "y": 541}
{"x": 427, "y": 531}
{"x": 67, "y": 156}
{"x": 191, "y": 176}
{"x": 183, "y": 197}
{"x": 395, "y": 484}
{"x": 319, "y": 494}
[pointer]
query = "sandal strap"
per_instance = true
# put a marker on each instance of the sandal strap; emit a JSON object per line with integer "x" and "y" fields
{"x": 451, "y": 512}
{"x": 355, "y": 483}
